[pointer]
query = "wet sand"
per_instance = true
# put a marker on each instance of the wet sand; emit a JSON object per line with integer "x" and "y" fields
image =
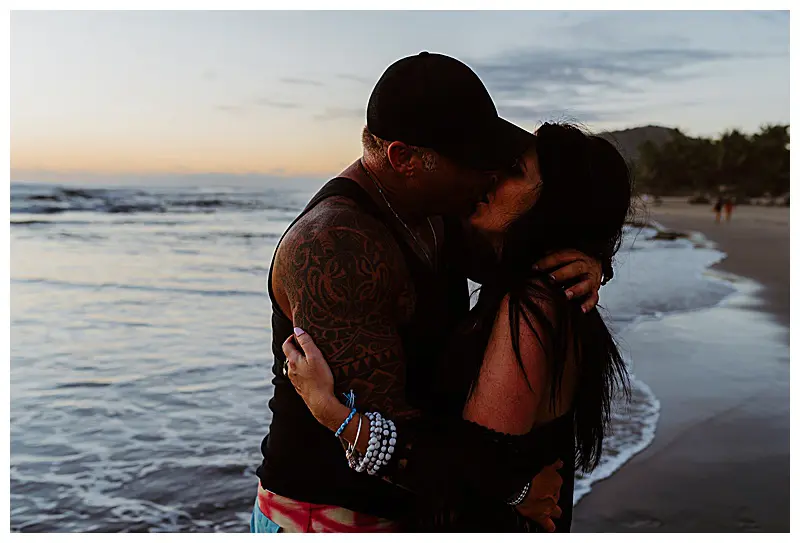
{"x": 756, "y": 241}
{"x": 720, "y": 458}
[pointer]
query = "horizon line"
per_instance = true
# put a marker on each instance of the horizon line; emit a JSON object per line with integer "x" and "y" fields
{"x": 18, "y": 174}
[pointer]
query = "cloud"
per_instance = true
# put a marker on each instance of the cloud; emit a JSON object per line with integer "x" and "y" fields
{"x": 301, "y": 81}
{"x": 522, "y": 71}
{"x": 267, "y": 102}
{"x": 249, "y": 106}
{"x": 535, "y": 113}
{"x": 590, "y": 84}
{"x": 770, "y": 16}
{"x": 209, "y": 75}
{"x": 356, "y": 78}
{"x": 333, "y": 113}
{"x": 230, "y": 109}
{"x": 619, "y": 30}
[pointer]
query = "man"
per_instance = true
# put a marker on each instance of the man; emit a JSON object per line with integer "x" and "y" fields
{"x": 373, "y": 273}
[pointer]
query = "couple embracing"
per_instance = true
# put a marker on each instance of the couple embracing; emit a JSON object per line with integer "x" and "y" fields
{"x": 399, "y": 407}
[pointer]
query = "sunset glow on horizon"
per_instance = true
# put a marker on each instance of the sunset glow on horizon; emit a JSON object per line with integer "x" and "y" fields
{"x": 284, "y": 93}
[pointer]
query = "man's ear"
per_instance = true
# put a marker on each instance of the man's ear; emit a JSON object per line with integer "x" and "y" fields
{"x": 402, "y": 158}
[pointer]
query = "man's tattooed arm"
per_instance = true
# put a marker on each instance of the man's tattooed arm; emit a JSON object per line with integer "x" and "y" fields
{"x": 348, "y": 287}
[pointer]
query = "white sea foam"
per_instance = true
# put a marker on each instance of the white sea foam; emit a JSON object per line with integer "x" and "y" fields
{"x": 634, "y": 428}
{"x": 653, "y": 278}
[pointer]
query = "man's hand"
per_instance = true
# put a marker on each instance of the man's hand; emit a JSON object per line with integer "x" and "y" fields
{"x": 541, "y": 504}
{"x": 571, "y": 265}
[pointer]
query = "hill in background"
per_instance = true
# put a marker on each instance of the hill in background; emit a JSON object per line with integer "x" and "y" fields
{"x": 629, "y": 140}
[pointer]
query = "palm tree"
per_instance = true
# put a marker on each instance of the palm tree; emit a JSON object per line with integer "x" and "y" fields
{"x": 749, "y": 165}
{"x": 733, "y": 159}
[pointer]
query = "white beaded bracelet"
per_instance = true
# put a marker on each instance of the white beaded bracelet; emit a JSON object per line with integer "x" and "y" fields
{"x": 370, "y": 445}
{"x": 519, "y": 498}
{"x": 389, "y": 436}
{"x": 382, "y": 439}
{"x": 370, "y": 455}
{"x": 377, "y": 455}
{"x": 388, "y": 432}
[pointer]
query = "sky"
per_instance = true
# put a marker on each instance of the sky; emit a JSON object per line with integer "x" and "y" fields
{"x": 284, "y": 93}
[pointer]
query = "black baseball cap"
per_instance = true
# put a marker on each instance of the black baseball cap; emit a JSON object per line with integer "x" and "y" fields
{"x": 435, "y": 101}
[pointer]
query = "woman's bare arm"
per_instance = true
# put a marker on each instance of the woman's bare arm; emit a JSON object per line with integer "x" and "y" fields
{"x": 507, "y": 395}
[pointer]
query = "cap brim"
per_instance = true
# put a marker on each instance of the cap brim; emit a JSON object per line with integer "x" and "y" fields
{"x": 496, "y": 148}
{"x": 510, "y": 143}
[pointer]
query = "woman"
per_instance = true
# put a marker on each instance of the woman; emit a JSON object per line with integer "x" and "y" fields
{"x": 718, "y": 208}
{"x": 728, "y": 208}
{"x": 529, "y": 369}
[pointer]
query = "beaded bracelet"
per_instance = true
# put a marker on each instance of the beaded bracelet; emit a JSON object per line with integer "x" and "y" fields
{"x": 382, "y": 439}
{"x": 369, "y": 457}
{"x": 519, "y": 498}
{"x": 385, "y": 455}
{"x": 379, "y": 454}
{"x": 346, "y": 422}
{"x": 373, "y": 464}
{"x": 387, "y": 437}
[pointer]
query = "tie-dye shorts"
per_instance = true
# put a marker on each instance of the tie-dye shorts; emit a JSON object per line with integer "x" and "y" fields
{"x": 273, "y": 513}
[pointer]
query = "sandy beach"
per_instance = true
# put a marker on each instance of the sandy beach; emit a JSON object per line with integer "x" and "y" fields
{"x": 720, "y": 458}
{"x": 756, "y": 241}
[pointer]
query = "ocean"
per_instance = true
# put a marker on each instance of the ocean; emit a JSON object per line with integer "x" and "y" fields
{"x": 140, "y": 349}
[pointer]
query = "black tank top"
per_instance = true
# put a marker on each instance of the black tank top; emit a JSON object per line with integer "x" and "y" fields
{"x": 304, "y": 460}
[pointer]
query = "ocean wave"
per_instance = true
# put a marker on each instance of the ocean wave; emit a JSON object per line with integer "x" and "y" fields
{"x": 76, "y": 222}
{"x": 52, "y": 200}
{"x": 633, "y": 430}
{"x": 663, "y": 283}
{"x": 88, "y": 453}
{"x": 29, "y": 223}
{"x": 144, "y": 288}
{"x": 211, "y": 235}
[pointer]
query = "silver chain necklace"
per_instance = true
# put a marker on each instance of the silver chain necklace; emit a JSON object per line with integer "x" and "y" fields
{"x": 411, "y": 232}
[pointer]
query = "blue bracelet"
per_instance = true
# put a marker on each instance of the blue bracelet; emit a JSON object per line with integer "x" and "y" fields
{"x": 346, "y": 422}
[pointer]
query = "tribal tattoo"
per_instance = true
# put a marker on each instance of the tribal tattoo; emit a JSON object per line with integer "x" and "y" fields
{"x": 348, "y": 287}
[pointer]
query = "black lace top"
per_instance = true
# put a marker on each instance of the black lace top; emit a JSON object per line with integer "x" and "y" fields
{"x": 460, "y": 492}
{"x": 462, "y": 473}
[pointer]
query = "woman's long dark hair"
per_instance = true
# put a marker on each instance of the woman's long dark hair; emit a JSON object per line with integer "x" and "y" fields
{"x": 583, "y": 202}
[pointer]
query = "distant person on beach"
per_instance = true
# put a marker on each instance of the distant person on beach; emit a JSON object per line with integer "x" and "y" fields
{"x": 728, "y": 208}
{"x": 529, "y": 368}
{"x": 718, "y": 208}
{"x": 375, "y": 270}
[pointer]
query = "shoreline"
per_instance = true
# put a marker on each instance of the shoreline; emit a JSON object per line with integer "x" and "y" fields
{"x": 756, "y": 242}
{"x": 720, "y": 458}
